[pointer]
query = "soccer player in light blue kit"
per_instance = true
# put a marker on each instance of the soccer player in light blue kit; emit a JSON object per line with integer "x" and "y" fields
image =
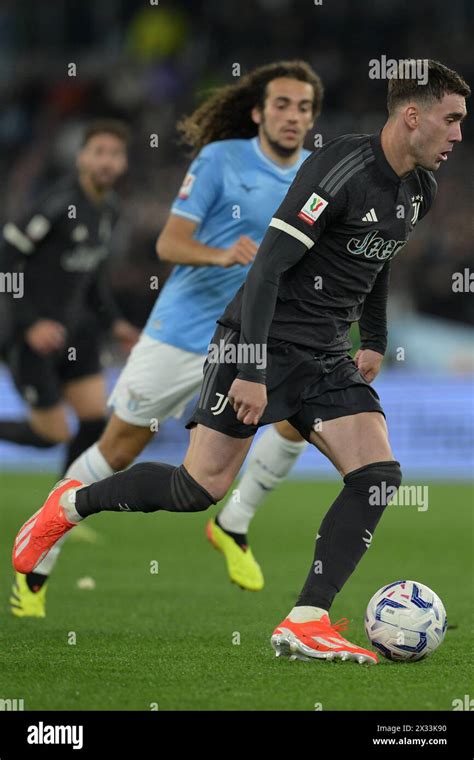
{"x": 249, "y": 138}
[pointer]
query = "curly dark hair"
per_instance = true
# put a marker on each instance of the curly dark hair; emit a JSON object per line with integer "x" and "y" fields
{"x": 226, "y": 114}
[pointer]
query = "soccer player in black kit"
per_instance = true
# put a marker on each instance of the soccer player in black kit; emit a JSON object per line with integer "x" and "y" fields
{"x": 59, "y": 248}
{"x": 323, "y": 264}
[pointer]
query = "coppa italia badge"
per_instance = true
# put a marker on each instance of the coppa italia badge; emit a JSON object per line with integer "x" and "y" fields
{"x": 312, "y": 209}
{"x": 186, "y": 187}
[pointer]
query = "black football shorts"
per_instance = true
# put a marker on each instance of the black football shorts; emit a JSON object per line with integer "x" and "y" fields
{"x": 302, "y": 387}
{"x": 39, "y": 379}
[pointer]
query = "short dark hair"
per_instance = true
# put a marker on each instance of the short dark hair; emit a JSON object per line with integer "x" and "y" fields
{"x": 441, "y": 81}
{"x": 106, "y": 126}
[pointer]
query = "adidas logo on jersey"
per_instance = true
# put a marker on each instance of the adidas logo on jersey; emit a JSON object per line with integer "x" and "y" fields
{"x": 370, "y": 216}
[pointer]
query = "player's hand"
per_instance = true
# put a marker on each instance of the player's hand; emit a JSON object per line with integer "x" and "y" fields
{"x": 368, "y": 363}
{"x": 241, "y": 252}
{"x": 126, "y": 333}
{"x": 45, "y": 336}
{"x": 248, "y": 399}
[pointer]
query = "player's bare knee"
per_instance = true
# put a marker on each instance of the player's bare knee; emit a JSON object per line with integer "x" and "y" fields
{"x": 55, "y": 437}
{"x": 286, "y": 430}
{"x": 218, "y": 487}
{"x": 189, "y": 494}
{"x": 52, "y": 434}
{"x": 119, "y": 456}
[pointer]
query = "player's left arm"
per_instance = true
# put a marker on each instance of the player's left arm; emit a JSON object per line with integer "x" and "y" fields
{"x": 373, "y": 321}
{"x": 373, "y": 327}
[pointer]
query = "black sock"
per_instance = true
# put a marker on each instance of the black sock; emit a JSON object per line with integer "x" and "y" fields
{"x": 35, "y": 581}
{"x": 88, "y": 433}
{"x": 239, "y": 538}
{"x": 145, "y": 487}
{"x": 23, "y": 434}
{"x": 346, "y": 530}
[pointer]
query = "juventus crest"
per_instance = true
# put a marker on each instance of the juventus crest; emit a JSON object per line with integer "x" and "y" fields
{"x": 416, "y": 201}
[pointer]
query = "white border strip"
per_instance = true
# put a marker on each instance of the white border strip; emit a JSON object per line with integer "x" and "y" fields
{"x": 293, "y": 231}
{"x": 186, "y": 214}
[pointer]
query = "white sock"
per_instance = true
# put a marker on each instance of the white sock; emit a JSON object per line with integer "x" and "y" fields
{"x": 270, "y": 461}
{"x": 68, "y": 503}
{"x": 90, "y": 466}
{"x": 305, "y": 614}
{"x": 46, "y": 565}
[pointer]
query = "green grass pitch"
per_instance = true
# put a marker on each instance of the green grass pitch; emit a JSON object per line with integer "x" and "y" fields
{"x": 168, "y": 640}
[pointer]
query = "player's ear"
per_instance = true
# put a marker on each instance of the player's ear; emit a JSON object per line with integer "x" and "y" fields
{"x": 412, "y": 116}
{"x": 256, "y": 115}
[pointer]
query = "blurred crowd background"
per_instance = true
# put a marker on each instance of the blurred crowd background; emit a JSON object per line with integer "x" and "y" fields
{"x": 151, "y": 62}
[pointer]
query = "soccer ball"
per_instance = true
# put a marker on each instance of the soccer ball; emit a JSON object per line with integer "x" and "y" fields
{"x": 405, "y": 621}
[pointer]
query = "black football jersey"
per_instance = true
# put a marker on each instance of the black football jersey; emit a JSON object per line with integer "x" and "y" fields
{"x": 345, "y": 216}
{"x": 60, "y": 246}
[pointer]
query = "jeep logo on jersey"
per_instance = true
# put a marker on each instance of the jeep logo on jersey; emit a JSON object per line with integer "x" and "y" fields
{"x": 312, "y": 209}
{"x": 83, "y": 258}
{"x": 375, "y": 246}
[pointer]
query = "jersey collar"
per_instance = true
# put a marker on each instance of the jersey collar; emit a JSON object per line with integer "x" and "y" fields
{"x": 376, "y": 143}
{"x": 256, "y": 146}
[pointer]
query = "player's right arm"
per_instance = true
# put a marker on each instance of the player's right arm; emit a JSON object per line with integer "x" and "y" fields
{"x": 20, "y": 241}
{"x": 177, "y": 245}
{"x": 200, "y": 191}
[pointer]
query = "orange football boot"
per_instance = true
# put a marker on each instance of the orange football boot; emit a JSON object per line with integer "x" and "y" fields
{"x": 318, "y": 639}
{"x": 39, "y": 534}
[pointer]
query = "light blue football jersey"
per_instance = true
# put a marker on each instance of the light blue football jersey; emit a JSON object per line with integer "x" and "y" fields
{"x": 231, "y": 189}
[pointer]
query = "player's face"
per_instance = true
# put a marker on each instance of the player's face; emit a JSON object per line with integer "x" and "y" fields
{"x": 287, "y": 114}
{"x": 104, "y": 159}
{"x": 438, "y": 131}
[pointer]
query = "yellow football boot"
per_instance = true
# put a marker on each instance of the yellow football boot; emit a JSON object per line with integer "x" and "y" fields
{"x": 242, "y": 566}
{"x": 26, "y": 603}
